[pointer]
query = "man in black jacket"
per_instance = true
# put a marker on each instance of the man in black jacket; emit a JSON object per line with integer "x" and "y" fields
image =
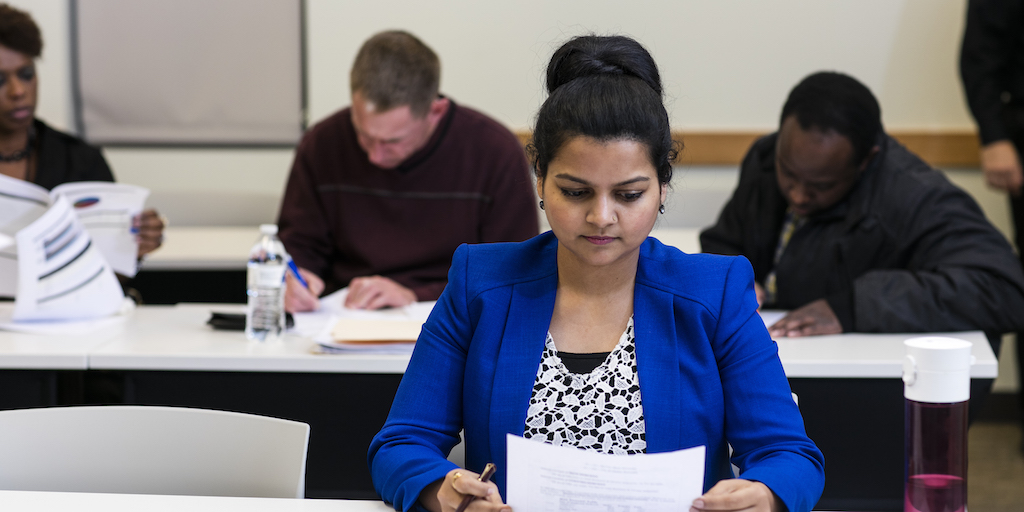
{"x": 852, "y": 232}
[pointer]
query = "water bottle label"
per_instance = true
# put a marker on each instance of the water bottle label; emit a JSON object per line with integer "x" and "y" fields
{"x": 265, "y": 276}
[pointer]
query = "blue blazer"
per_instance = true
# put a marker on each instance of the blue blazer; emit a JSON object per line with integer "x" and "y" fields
{"x": 709, "y": 373}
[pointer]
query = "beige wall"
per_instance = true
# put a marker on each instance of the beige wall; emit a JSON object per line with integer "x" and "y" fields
{"x": 727, "y": 65}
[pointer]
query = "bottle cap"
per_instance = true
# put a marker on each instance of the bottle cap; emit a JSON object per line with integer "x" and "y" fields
{"x": 268, "y": 229}
{"x": 937, "y": 369}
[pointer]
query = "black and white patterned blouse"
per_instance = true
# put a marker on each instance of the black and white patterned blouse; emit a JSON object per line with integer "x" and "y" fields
{"x": 598, "y": 411}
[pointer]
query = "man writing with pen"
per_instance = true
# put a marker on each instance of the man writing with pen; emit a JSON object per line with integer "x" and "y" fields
{"x": 382, "y": 193}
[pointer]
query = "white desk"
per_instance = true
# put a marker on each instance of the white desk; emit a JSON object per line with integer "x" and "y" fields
{"x": 849, "y": 387}
{"x": 26, "y": 351}
{"x": 203, "y": 248}
{"x": 227, "y": 247}
{"x": 64, "y": 501}
{"x": 859, "y": 355}
{"x": 177, "y": 338}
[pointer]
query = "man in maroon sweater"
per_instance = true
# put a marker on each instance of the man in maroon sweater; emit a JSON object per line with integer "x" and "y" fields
{"x": 381, "y": 193}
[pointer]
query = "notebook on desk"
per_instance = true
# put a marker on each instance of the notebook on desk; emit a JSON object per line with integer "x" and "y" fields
{"x": 373, "y": 331}
{"x": 378, "y": 336}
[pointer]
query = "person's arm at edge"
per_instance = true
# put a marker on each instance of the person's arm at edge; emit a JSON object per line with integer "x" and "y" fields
{"x": 983, "y": 57}
{"x": 303, "y": 229}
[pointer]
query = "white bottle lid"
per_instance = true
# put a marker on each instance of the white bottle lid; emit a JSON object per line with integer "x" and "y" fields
{"x": 937, "y": 370}
{"x": 268, "y": 229}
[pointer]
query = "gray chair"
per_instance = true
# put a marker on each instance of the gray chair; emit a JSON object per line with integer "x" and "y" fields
{"x": 152, "y": 450}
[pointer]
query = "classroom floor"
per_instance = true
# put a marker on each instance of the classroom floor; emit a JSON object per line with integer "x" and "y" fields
{"x": 995, "y": 464}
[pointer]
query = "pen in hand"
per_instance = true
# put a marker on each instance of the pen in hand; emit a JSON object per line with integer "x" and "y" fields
{"x": 489, "y": 470}
{"x": 295, "y": 272}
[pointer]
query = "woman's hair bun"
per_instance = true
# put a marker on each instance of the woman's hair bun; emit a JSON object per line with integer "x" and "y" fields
{"x": 605, "y": 88}
{"x": 592, "y": 55}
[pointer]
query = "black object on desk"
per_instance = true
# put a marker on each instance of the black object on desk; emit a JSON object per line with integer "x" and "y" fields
{"x": 236, "y": 321}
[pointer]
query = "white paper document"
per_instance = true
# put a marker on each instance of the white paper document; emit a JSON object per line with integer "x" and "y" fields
{"x": 105, "y": 210}
{"x": 547, "y": 478}
{"x": 64, "y": 327}
{"x": 357, "y": 325}
{"x": 21, "y": 203}
{"x": 61, "y": 274}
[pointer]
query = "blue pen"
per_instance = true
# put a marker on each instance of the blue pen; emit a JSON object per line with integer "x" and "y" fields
{"x": 295, "y": 272}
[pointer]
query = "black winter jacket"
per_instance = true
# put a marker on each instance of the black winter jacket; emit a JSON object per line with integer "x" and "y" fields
{"x": 64, "y": 158}
{"x": 905, "y": 251}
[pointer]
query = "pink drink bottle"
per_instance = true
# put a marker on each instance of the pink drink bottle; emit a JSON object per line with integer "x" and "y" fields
{"x": 937, "y": 386}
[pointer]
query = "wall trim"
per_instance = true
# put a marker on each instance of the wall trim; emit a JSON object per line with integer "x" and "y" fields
{"x": 941, "y": 148}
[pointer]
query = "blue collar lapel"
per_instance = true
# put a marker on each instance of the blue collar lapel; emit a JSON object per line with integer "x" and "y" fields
{"x": 655, "y": 331}
{"x": 522, "y": 346}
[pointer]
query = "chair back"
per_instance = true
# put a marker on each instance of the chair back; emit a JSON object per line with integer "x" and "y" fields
{"x": 152, "y": 450}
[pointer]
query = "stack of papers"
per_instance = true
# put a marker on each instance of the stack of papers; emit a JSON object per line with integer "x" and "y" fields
{"x": 338, "y": 329}
{"x": 60, "y": 248}
{"x": 542, "y": 476}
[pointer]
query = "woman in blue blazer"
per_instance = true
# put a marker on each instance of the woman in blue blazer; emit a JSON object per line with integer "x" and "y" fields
{"x": 595, "y": 335}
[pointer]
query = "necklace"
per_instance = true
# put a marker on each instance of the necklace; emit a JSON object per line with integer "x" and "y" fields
{"x": 19, "y": 155}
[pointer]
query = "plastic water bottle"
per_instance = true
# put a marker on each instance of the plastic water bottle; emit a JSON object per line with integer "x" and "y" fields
{"x": 937, "y": 387}
{"x": 264, "y": 317}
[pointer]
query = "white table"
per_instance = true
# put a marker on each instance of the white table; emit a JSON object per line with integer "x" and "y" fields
{"x": 64, "y": 501}
{"x": 849, "y": 386}
{"x": 203, "y": 248}
{"x": 176, "y": 338}
{"x": 227, "y": 247}
{"x": 30, "y": 351}
{"x": 861, "y": 355}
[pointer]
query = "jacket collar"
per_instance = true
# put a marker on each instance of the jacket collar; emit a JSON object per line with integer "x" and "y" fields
{"x": 531, "y": 307}
{"x": 654, "y": 325}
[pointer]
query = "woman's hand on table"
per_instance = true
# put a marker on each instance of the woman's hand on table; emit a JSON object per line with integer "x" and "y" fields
{"x": 446, "y": 495}
{"x": 737, "y": 494}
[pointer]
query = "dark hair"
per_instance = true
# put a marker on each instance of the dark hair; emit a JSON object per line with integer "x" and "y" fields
{"x": 18, "y": 32}
{"x": 834, "y": 101}
{"x": 393, "y": 69}
{"x": 606, "y": 88}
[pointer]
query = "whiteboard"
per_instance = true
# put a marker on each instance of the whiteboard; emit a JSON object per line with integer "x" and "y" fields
{"x": 189, "y": 72}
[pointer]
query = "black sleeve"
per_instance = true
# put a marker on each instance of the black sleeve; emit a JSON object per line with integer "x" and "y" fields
{"x": 750, "y": 221}
{"x": 94, "y": 166}
{"x": 64, "y": 158}
{"x": 961, "y": 274}
{"x": 985, "y": 58}
{"x": 726, "y": 236}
